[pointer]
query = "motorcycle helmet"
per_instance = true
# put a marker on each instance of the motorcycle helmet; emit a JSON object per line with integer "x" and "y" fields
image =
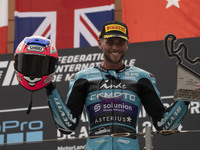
{"x": 35, "y": 62}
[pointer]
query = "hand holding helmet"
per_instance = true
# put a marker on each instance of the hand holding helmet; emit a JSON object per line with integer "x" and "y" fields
{"x": 35, "y": 62}
{"x": 198, "y": 87}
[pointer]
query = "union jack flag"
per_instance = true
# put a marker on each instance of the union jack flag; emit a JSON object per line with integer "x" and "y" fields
{"x": 35, "y": 23}
{"x": 66, "y": 23}
{"x": 88, "y": 23}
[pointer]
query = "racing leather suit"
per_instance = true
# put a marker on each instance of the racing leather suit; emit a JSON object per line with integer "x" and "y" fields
{"x": 112, "y": 99}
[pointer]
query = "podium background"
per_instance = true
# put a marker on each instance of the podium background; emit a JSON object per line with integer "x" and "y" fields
{"x": 14, "y": 100}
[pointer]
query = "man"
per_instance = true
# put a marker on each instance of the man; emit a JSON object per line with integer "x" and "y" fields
{"x": 112, "y": 94}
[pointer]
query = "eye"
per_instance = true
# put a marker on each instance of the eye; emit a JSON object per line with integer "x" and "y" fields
{"x": 122, "y": 42}
{"x": 110, "y": 42}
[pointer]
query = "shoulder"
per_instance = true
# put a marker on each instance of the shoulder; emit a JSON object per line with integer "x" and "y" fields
{"x": 141, "y": 73}
{"x": 86, "y": 73}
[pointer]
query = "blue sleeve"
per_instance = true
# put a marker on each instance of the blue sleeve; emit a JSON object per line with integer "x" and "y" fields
{"x": 63, "y": 118}
{"x": 173, "y": 116}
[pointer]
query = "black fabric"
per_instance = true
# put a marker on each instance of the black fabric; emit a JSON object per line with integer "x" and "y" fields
{"x": 50, "y": 87}
{"x": 150, "y": 99}
{"x": 78, "y": 96}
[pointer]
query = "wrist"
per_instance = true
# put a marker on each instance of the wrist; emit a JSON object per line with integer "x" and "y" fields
{"x": 50, "y": 87}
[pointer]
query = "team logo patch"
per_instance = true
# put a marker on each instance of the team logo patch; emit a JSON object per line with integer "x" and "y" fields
{"x": 115, "y": 27}
{"x": 35, "y": 48}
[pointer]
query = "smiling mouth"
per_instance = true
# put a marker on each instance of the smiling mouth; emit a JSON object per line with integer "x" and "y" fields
{"x": 115, "y": 53}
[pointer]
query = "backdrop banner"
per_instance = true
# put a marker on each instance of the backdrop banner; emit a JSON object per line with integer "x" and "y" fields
{"x": 160, "y": 18}
{"x": 38, "y": 131}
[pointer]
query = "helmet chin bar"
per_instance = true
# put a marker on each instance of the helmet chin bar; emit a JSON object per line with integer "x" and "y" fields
{"x": 32, "y": 81}
{"x": 34, "y": 84}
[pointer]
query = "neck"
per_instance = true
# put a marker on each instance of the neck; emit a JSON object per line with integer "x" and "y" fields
{"x": 112, "y": 66}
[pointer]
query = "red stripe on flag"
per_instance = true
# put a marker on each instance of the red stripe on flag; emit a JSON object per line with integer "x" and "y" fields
{"x": 47, "y": 30}
{"x": 88, "y": 27}
{"x": 3, "y": 39}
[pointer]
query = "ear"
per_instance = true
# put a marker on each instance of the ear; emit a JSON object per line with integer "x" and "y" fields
{"x": 100, "y": 44}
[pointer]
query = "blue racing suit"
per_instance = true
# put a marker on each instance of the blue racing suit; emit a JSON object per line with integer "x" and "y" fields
{"x": 112, "y": 99}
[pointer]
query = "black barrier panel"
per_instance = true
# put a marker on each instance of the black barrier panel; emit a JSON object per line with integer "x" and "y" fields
{"x": 39, "y": 128}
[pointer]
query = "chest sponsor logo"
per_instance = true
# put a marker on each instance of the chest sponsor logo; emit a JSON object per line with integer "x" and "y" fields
{"x": 126, "y": 96}
{"x": 107, "y": 85}
{"x": 121, "y": 107}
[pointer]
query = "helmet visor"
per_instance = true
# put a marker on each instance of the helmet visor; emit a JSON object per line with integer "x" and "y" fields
{"x": 34, "y": 65}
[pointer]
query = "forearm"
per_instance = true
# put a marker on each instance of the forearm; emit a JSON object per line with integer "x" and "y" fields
{"x": 173, "y": 116}
{"x": 63, "y": 118}
{"x": 198, "y": 87}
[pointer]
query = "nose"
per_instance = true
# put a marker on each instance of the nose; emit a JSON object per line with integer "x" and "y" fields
{"x": 115, "y": 46}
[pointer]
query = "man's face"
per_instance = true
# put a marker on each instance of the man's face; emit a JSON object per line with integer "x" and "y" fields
{"x": 114, "y": 49}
